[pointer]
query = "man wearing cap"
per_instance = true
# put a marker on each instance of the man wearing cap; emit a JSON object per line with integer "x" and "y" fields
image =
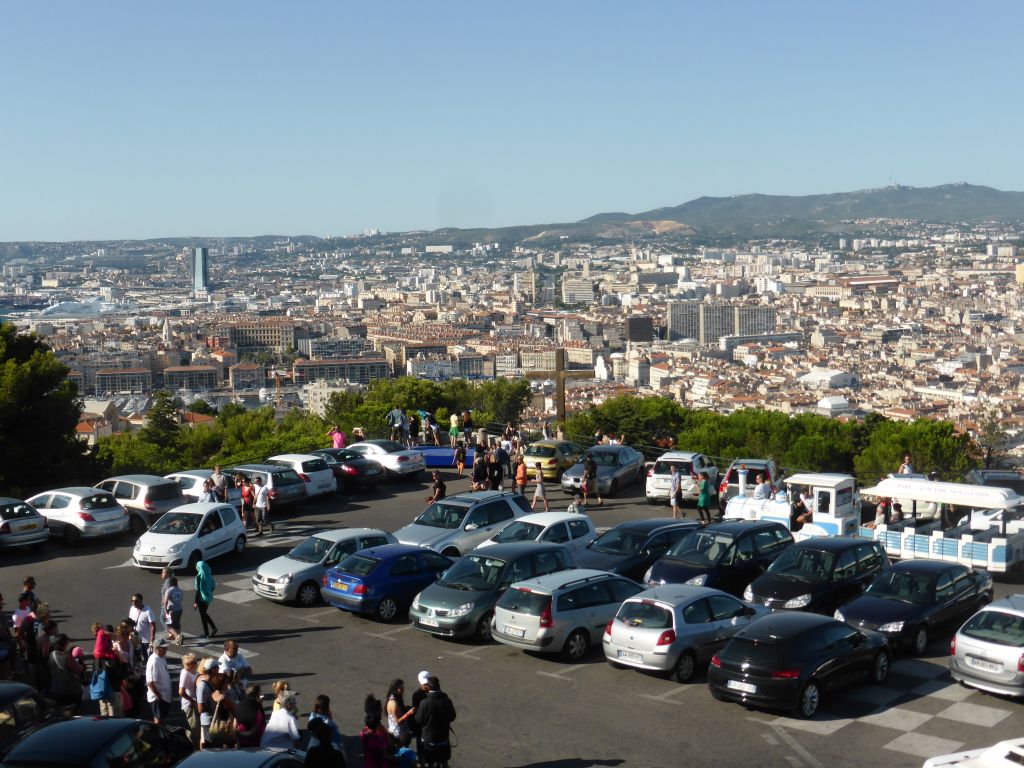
{"x": 435, "y": 715}
{"x": 423, "y": 678}
{"x": 158, "y": 681}
{"x": 204, "y": 698}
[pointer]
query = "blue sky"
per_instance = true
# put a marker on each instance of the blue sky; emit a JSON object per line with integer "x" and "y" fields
{"x": 132, "y": 119}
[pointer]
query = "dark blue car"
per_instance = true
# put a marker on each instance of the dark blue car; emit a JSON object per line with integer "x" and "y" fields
{"x": 382, "y": 580}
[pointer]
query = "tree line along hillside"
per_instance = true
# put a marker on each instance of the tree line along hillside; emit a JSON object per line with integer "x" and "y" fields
{"x": 39, "y": 410}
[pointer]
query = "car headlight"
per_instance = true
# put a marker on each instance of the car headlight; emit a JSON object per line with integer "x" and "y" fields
{"x": 748, "y": 593}
{"x": 138, "y": 544}
{"x": 462, "y": 610}
{"x": 798, "y": 602}
{"x": 175, "y": 548}
{"x": 286, "y": 579}
{"x": 416, "y": 603}
{"x": 892, "y": 626}
{"x": 838, "y": 615}
{"x": 698, "y": 581}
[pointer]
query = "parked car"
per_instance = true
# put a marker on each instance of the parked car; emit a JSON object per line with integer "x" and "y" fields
{"x": 395, "y": 458}
{"x": 147, "y": 495}
{"x": 730, "y": 483}
{"x": 22, "y": 525}
{"x": 997, "y": 478}
{"x": 298, "y": 574}
{"x": 675, "y": 628}
{"x": 568, "y": 528}
{"x": 251, "y": 757}
{"x": 563, "y": 612}
{"x": 87, "y": 742}
{"x": 461, "y": 602}
{"x": 22, "y": 710}
{"x": 381, "y": 580}
{"x": 632, "y": 547}
{"x": 351, "y": 469}
{"x": 190, "y": 533}
{"x": 459, "y": 523}
{"x": 554, "y": 457}
{"x": 81, "y": 513}
{"x": 690, "y": 465}
{"x": 191, "y": 483}
{"x": 283, "y": 483}
{"x": 918, "y": 598}
{"x": 788, "y": 660}
{"x": 987, "y": 652}
{"x": 726, "y": 556}
{"x": 818, "y": 574}
{"x": 312, "y": 470}
{"x": 617, "y": 467}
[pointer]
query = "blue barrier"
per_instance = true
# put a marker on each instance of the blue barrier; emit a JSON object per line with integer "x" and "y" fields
{"x": 441, "y": 456}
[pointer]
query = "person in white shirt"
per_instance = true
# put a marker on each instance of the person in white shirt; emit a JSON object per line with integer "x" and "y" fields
{"x": 145, "y": 621}
{"x": 233, "y": 661}
{"x": 187, "y": 692}
{"x": 261, "y": 506}
{"x": 906, "y": 468}
{"x": 282, "y": 729}
{"x": 762, "y": 490}
{"x": 158, "y": 681}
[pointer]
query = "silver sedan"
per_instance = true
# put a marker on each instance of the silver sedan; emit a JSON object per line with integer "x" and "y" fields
{"x": 617, "y": 467}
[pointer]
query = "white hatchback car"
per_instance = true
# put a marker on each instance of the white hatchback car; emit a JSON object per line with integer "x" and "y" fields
{"x": 314, "y": 471}
{"x": 568, "y": 528}
{"x": 79, "y": 513}
{"x": 188, "y": 534}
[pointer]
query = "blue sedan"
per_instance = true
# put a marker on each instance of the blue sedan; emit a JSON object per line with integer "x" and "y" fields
{"x": 382, "y": 580}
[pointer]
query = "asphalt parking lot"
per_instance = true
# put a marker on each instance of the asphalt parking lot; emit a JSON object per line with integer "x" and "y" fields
{"x": 517, "y": 710}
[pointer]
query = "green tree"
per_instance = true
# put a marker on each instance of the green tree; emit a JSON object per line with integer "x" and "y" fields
{"x": 201, "y": 406}
{"x": 162, "y": 422}
{"x": 934, "y": 446}
{"x": 502, "y": 400}
{"x": 39, "y": 410}
{"x": 993, "y": 439}
{"x": 340, "y": 408}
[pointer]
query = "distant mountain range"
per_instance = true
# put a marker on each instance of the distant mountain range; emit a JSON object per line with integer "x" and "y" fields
{"x": 777, "y": 215}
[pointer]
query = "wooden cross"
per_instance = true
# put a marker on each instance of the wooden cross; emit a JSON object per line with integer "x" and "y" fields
{"x": 560, "y": 375}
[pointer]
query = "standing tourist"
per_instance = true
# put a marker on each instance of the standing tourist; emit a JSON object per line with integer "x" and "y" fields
{"x": 704, "y": 498}
{"x": 145, "y": 622}
{"x": 459, "y": 459}
{"x": 187, "y": 692}
{"x": 158, "y": 682}
{"x": 675, "y": 492}
{"x": 282, "y": 729}
{"x": 495, "y": 472}
{"x": 453, "y": 430}
{"x": 248, "y": 496}
{"x": 337, "y": 437}
{"x": 205, "y": 585}
{"x": 435, "y": 715}
{"x": 261, "y": 506}
{"x": 539, "y": 491}
{"x": 522, "y": 476}
{"x": 437, "y": 488}
{"x": 220, "y": 484}
{"x": 173, "y": 597}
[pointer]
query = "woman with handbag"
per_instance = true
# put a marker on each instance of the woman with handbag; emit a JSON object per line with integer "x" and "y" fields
{"x": 283, "y": 728}
{"x": 250, "y": 719}
{"x": 222, "y": 730}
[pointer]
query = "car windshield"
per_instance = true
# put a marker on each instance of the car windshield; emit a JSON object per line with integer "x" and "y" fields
{"x": 740, "y": 650}
{"x": 312, "y": 550}
{"x": 752, "y": 473}
{"x": 19, "y": 509}
{"x": 540, "y": 451}
{"x": 99, "y": 501}
{"x": 910, "y": 588}
{"x": 524, "y": 601}
{"x": 665, "y": 467}
{"x": 164, "y": 492}
{"x": 359, "y": 565}
{"x": 519, "y": 531}
{"x": 474, "y": 572}
{"x": 177, "y": 524}
{"x": 390, "y": 446}
{"x": 619, "y": 542}
{"x": 345, "y": 456}
{"x": 803, "y": 564}
{"x": 644, "y": 613}
{"x": 441, "y": 515}
{"x": 996, "y": 627}
{"x": 603, "y": 459}
{"x": 700, "y": 548}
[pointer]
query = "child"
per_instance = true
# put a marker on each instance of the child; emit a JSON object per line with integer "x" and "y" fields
{"x": 460, "y": 457}
{"x": 577, "y": 505}
{"x": 279, "y": 687}
{"x": 405, "y": 757}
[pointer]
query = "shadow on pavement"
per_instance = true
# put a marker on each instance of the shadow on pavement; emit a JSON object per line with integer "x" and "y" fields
{"x": 570, "y": 762}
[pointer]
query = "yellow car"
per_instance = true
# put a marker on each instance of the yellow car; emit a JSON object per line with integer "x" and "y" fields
{"x": 555, "y": 456}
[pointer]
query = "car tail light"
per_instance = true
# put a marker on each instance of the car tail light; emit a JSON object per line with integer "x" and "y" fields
{"x": 346, "y": 469}
{"x": 952, "y": 646}
{"x": 546, "y": 620}
{"x": 667, "y": 637}
{"x": 149, "y": 505}
{"x": 650, "y": 472}
{"x": 323, "y": 580}
{"x": 1020, "y": 664}
{"x": 304, "y": 477}
{"x": 724, "y": 486}
{"x": 5, "y": 528}
{"x": 552, "y": 462}
{"x": 716, "y": 662}
{"x": 86, "y": 517}
{"x": 359, "y": 589}
{"x": 272, "y": 493}
{"x": 785, "y": 674}
{"x": 608, "y": 628}
{"x": 403, "y": 458}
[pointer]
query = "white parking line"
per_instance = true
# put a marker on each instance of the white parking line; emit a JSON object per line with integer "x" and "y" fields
{"x": 126, "y": 564}
{"x": 387, "y": 635}
{"x": 562, "y": 672}
{"x": 791, "y": 742}
{"x": 666, "y": 697}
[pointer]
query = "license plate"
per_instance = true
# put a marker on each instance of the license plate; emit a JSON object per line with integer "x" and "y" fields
{"x": 429, "y": 622}
{"x": 736, "y": 685}
{"x": 29, "y": 527}
{"x": 340, "y": 586}
{"x": 110, "y": 528}
{"x": 149, "y": 559}
{"x": 373, "y": 471}
{"x": 630, "y": 656}
{"x": 515, "y": 631}
{"x": 988, "y": 666}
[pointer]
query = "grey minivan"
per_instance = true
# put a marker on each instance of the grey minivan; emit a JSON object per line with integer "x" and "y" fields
{"x": 461, "y": 602}
{"x": 144, "y": 497}
{"x": 283, "y": 483}
{"x": 459, "y": 523}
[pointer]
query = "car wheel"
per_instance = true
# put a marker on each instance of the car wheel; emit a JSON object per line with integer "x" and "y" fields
{"x": 413, "y": 477}
{"x": 685, "y": 668}
{"x": 240, "y": 545}
{"x": 451, "y": 552}
{"x": 880, "y": 669}
{"x": 576, "y": 645}
{"x": 137, "y": 526}
{"x": 651, "y": 501}
{"x": 921, "y": 640}
{"x": 308, "y": 594}
{"x": 387, "y": 609}
{"x": 809, "y": 701}
{"x": 71, "y": 535}
{"x": 193, "y": 560}
{"x": 483, "y": 628}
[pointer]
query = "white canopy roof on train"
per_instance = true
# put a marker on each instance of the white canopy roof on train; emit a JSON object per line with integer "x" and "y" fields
{"x": 957, "y": 494}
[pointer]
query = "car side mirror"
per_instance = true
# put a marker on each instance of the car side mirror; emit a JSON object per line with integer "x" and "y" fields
{"x": 645, "y": 553}
{"x": 472, "y": 527}
{"x": 748, "y": 611}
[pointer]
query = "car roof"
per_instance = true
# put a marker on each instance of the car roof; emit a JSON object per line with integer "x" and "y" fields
{"x": 49, "y": 745}
{"x": 203, "y": 473}
{"x": 752, "y": 462}
{"x": 389, "y": 551}
{"x": 675, "y": 593}
{"x": 75, "y": 490}
{"x": 552, "y": 582}
{"x": 259, "y": 468}
{"x": 923, "y": 567}
{"x": 831, "y": 543}
{"x": 513, "y": 549}
{"x": 340, "y": 534}
{"x": 11, "y": 500}
{"x": 1012, "y": 604}
{"x": 12, "y": 691}
{"x": 249, "y": 757}
{"x": 679, "y": 456}
{"x": 550, "y": 443}
{"x": 784, "y": 625}
{"x": 736, "y": 527}
{"x": 474, "y": 497}
{"x": 549, "y": 518}
{"x": 293, "y": 457}
{"x": 605, "y": 449}
{"x": 652, "y": 524}
{"x": 200, "y": 507}
{"x": 140, "y": 479}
